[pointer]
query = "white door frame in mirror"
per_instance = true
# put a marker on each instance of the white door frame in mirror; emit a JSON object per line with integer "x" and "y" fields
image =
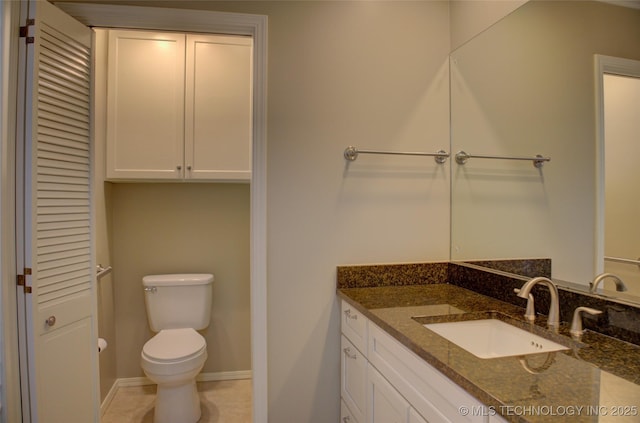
{"x": 142, "y": 17}
{"x": 612, "y": 66}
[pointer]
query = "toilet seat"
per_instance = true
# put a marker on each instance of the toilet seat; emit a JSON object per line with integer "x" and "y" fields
{"x": 171, "y": 345}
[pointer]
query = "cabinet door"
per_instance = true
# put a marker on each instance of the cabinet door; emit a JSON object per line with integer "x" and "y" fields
{"x": 218, "y": 107}
{"x": 386, "y": 405}
{"x": 434, "y": 395}
{"x": 353, "y": 379}
{"x": 145, "y": 105}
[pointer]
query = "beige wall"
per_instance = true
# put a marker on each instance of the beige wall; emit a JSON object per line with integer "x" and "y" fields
{"x": 371, "y": 74}
{"x": 103, "y": 226}
{"x": 470, "y": 17}
{"x": 182, "y": 228}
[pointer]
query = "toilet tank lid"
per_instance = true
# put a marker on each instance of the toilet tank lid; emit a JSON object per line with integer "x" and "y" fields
{"x": 178, "y": 279}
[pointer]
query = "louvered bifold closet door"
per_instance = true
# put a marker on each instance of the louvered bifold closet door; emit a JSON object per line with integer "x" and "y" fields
{"x": 58, "y": 223}
{"x": 63, "y": 214}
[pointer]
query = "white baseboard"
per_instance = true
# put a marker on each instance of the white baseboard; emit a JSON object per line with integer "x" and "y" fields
{"x": 141, "y": 381}
{"x": 236, "y": 375}
{"x": 107, "y": 400}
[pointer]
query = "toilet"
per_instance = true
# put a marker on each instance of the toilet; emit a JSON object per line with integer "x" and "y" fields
{"x": 177, "y": 306}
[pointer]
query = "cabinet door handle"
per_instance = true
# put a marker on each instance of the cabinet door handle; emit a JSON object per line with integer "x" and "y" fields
{"x": 347, "y": 313}
{"x": 349, "y": 354}
{"x": 179, "y": 167}
{"x": 346, "y": 419}
{"x": 189, "y": 168}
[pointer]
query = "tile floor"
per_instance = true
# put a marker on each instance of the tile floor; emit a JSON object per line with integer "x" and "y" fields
{"x": 227, "y": 401}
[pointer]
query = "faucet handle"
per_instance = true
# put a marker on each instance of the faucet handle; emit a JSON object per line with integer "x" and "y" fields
{"x": 530, "y": 314}
{"x": 576, "y": 325}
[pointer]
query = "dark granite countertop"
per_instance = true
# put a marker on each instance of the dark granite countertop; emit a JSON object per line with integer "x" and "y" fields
{"x": 595, "y": 380}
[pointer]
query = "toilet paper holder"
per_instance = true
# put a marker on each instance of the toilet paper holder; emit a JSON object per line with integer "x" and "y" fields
{"x": 102, "y": 344}
{"x": 102, "y": 271}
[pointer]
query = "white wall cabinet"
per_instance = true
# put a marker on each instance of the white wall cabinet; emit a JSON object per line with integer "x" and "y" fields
{"x": 384, "y": 382}
{"x": 178, "y": 106}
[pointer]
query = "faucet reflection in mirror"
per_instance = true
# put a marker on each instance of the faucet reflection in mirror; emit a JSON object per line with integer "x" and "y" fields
{"x": 620, "y": 286}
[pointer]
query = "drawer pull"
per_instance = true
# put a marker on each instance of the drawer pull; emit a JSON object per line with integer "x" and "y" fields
{"x": 346, "y": 419}
{"x": 349, "y": 315}
{"x": 349, "y": 354}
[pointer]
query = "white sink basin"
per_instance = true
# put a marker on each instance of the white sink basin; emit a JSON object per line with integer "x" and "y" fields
{"x": 491, "y": 338}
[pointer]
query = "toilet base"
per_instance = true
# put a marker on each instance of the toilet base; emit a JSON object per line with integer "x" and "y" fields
{"x": 177, "y": 403}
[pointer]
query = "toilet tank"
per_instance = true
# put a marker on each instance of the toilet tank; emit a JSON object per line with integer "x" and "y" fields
{"x": 178, "y": 301}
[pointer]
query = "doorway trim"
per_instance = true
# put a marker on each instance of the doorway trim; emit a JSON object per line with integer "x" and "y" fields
{"x": 612, "y": 66}
{"x": 155, "y": 18}
{"x": 9, "y": 352}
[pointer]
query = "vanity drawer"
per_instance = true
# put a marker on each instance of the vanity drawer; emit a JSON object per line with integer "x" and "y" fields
{"x": 354, "y": 326}
{"x": 353, "y": 383}
{"x": 430, "y": 392}
{"x": 345, "y": 414}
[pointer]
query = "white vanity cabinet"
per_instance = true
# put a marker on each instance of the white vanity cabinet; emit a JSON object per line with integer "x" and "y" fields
{"x": 353, "y": 366}
{"x": 178, "y": 106}
{"x": 386, "y": 405}
{"x": 433, "y": 395}
{"x": 354, "y": 378}
{"x": 414, "y": 417}
{"x": 345, "y": 414}
{"x": 382, "y": 381}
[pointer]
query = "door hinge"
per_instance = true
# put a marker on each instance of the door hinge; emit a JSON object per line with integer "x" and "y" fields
{"x": 21, "y": 281}
{"x": 27, "y": 289}
{"x": 24, "y": 31}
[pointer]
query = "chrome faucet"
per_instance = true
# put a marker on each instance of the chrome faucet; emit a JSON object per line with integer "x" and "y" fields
{"x": 553, "y": 320}
{"x": 576, "y": 330}
{"x": 620, "y": 286}
{"x": 530, "y": 314}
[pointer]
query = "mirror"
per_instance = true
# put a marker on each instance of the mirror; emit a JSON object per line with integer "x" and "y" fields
{"x": 619, "y": 235}
{"x": 526, "y": 87}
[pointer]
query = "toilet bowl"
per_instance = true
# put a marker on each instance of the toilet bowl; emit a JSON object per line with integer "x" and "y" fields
{"x": 177, "y": 306}
{"x": 172, "y": 359}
